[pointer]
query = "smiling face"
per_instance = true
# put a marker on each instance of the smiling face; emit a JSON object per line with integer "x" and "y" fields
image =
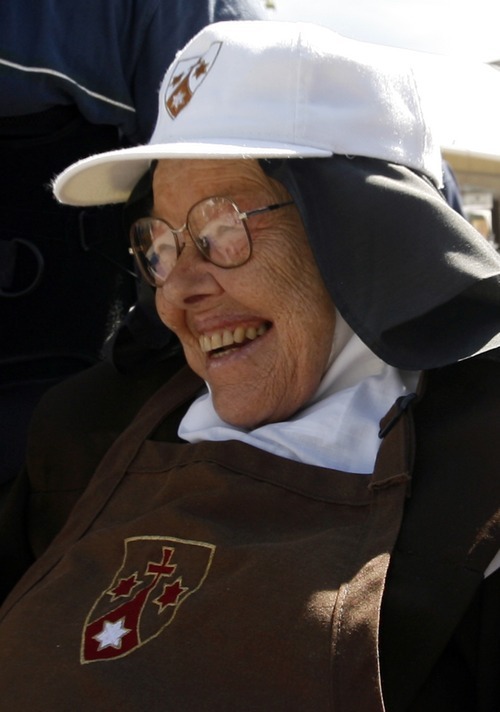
{"x": 260, "y": 334}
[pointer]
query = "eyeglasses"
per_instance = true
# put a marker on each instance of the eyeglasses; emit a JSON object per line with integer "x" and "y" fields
{"x": 216, "y": 226}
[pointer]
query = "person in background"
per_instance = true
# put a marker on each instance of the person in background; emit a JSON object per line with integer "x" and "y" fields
{"x": 304, "y": 514}
{"x": 451, "y": 188}
{"x": 76, "y": 78}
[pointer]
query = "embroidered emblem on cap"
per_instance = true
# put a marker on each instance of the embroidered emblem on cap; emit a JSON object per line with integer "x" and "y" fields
{"x": 187, "y": 76}
{"x": 156, "y": 576}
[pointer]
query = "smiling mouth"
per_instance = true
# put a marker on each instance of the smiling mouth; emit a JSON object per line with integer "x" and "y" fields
{"x": 223, "y": 341}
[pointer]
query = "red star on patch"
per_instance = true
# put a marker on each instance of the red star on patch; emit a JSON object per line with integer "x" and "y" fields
{"x": 200, "y": 69}
{"x": 171, "y": 594}
{"x": 124, "y": 587}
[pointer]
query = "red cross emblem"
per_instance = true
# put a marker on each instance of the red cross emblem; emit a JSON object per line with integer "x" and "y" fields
{"x": 187, "y": 77}
{"x": 156, "y": 576}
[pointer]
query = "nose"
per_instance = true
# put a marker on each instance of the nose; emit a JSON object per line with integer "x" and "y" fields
{"x": 191, "y": 279}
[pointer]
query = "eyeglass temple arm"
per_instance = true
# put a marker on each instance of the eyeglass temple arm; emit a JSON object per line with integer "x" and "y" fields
{"x": 257, "y": 211}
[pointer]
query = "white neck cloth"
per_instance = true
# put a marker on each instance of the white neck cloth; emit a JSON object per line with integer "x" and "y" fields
{"x": 339, "y": 426}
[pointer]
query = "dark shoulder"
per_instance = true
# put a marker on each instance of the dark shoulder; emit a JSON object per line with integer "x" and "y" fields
{"x": 98, "y": 400}
{"x": 431, "y": 622}
{"x": 72, "y": 428}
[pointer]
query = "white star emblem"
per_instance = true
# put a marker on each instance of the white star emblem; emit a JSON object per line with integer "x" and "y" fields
{"x": 111, "y": 634}
{"x": 178, "y": 99}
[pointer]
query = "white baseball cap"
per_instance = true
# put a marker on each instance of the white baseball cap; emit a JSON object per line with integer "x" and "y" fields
{"x": 267, "y": 89}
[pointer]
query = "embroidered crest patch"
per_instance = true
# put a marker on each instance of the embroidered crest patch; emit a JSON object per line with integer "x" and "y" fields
{"x": 187, "y": 77}
{"x": 156, "y": 576}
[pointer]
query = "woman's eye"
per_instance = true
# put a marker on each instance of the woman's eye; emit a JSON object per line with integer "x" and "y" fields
{"x": 204, "y": 244}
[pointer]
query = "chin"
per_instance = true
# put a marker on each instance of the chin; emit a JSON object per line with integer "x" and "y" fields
{"x": 246, "y": 422}
{"x": 248, "y": 419}
{"x": 244, "y": 418}
{"x": 249, "y": 408}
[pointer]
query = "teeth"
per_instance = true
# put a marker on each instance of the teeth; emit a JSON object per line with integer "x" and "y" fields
{"x": 205, "y": 343}
{"x": 216, "y": 341}
{"x": 228, "y": 338}
{"x": 239, "y": 335}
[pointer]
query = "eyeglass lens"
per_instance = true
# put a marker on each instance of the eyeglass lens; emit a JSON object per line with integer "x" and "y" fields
{"x": 215, "y": 227}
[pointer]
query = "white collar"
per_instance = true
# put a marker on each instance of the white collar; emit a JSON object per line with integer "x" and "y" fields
{"x": 339, "y": 426}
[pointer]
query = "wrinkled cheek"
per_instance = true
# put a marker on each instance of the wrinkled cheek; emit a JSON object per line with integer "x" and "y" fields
{"x": 160, "y": 306}
{"x": 166, "y": 313}
{"x": 195, "y": 360}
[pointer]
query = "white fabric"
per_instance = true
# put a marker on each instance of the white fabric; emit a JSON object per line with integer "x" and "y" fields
{"x": 339, "y": 427}
{"x": 262, "y": 89}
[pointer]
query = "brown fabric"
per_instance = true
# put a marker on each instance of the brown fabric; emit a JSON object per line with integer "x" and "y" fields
{"x": 440, "y": 626}
{"x": 268, "y": 577}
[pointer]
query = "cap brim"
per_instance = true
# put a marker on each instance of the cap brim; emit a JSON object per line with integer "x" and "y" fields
{"x": 110, "y": 177}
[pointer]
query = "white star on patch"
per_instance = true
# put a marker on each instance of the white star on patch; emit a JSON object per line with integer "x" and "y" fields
{"x": 111, "y": 635}
{"x": 178, "y": 99}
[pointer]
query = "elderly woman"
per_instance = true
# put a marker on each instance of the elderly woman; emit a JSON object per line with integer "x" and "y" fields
{"x": 303, "y": 517}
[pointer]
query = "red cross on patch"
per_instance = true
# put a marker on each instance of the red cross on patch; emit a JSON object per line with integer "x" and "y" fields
{"x": 156, "y": 576}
